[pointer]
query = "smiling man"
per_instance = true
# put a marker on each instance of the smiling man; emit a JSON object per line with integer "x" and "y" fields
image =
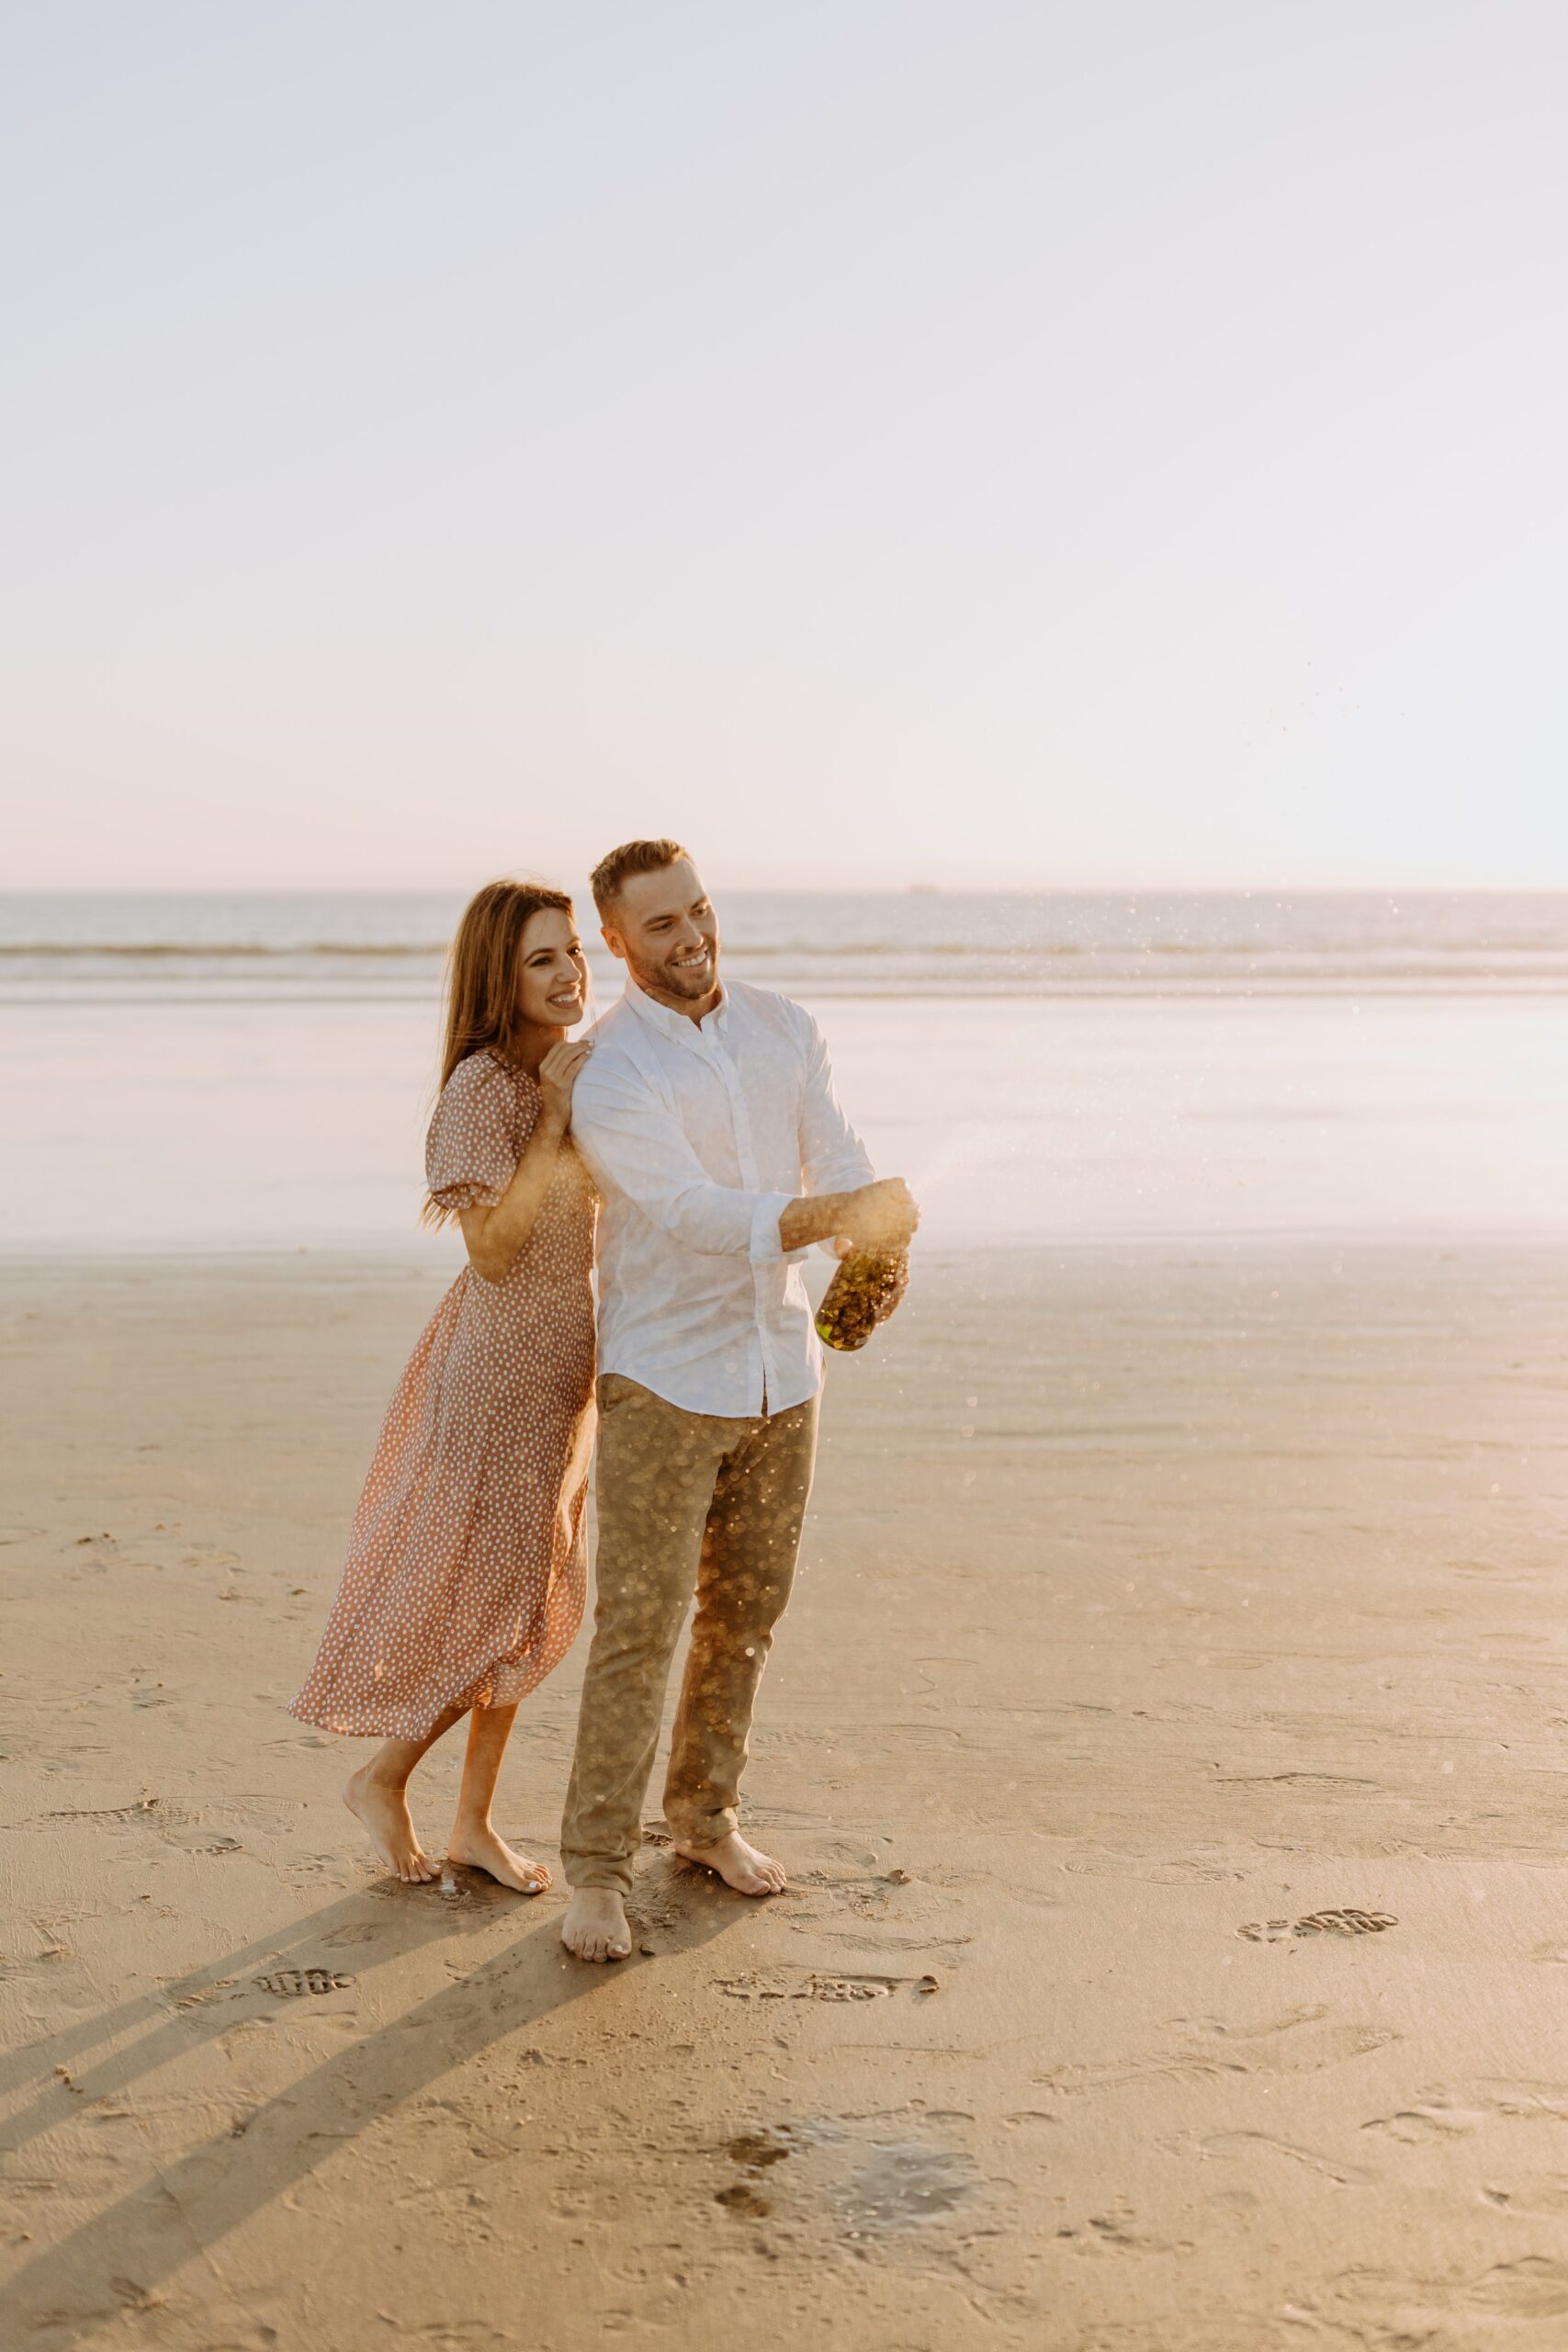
{"x": 707, "y": 1115}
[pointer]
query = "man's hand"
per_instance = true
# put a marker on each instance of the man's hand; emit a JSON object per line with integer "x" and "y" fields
{"x": 877, "y": 1217}
{"x": 881, "y": 1216}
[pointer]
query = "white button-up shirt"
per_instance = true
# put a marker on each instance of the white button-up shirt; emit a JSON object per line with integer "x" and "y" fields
{"x": 698, "y": 1135}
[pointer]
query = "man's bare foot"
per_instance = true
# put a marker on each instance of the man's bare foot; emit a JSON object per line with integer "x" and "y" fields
{"x": 385, "y": 1814}
{"x": 739, "y": 1865}
{"x": 595, "y": 1925}
{"x": 477, "y": 1845}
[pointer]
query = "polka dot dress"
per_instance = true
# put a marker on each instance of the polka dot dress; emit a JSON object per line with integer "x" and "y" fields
{"x": 466, "y": 1573}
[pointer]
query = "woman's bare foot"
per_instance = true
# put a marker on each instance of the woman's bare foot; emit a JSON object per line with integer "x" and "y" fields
{"x": 739, "y": 1865}
{"x": 385, "y": 1814}
{"x": 477, "y": 1845}
{"x": 595, "y": 1925}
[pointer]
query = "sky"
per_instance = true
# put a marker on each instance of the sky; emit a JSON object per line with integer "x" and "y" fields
{"x": 876, "y": 441}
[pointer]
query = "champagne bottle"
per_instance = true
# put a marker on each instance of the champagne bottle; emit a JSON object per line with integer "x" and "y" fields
{"x": 863, "y": 1293}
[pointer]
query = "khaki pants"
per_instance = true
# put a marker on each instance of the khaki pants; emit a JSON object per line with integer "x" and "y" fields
{"x": 687, "y": 1502}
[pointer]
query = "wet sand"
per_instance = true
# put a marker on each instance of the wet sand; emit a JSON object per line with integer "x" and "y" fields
{"x": 1162, "y": 1607}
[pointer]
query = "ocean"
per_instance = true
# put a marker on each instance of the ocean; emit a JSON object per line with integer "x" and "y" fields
{"x": 228, "y": 1071}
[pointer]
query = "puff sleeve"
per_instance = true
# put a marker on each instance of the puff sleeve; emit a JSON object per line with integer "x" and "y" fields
{"x": 476, "y": 1136}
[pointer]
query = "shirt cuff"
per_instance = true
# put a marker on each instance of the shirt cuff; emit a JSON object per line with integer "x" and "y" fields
{"x": 766, "y": 1247}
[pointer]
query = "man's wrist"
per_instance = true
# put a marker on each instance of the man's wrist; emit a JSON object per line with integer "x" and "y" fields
{"x": 814, "y": 1216}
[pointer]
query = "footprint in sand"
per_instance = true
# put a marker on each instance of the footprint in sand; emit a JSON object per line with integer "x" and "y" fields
{"x": 1319, "y": 1923}
{"x": 1433, "y": 2120}
{"x": 1535, "y": 2287}
{"x": 1292, "y": 2046}
{"x": 1244, "y": 2147}
{"x": 823, "y": 1988}
{"x": 289, "y": 1983}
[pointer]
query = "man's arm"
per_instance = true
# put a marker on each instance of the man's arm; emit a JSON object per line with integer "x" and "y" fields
{"x": 631, "y": 1141}
{"x": 874, "y": 1217}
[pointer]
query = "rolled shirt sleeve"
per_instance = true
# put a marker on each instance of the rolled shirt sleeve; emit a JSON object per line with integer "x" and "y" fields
{"x": 641, "y": 1149}
{"x": 766, "y": 1244}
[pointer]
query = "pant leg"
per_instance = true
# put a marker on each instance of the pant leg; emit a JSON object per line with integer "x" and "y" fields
{"x": 657, "y": 1470}
{"x": 748, "y": 1551}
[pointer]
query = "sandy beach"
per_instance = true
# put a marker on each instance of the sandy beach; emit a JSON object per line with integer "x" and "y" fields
{"x": 1157, "y": 1603}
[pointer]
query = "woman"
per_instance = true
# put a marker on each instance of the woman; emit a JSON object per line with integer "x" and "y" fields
{"x": 466, "y": 1575}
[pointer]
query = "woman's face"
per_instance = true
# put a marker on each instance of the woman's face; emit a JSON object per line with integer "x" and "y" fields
{"x": 553, "y": 977}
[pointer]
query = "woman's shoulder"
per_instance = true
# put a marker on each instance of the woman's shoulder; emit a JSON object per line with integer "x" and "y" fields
{"x": 483, "y": 1085}
{"x": 487, "y": 1071}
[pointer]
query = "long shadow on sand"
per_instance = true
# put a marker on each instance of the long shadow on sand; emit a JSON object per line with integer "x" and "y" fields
{"x": 381, "y": 1925}
{"x": 123, "y": 2252}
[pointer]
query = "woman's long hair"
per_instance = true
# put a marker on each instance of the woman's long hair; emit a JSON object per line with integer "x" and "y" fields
{"x": 483, "y": 968}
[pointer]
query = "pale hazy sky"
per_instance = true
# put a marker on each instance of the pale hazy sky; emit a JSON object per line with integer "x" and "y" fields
{"x": 1117, "y": 441}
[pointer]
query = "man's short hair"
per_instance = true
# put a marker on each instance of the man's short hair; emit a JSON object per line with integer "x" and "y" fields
{"x": 612, "y": 874}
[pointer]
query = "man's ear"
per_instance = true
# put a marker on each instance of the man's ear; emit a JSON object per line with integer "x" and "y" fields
{"x": 612, "y": 941}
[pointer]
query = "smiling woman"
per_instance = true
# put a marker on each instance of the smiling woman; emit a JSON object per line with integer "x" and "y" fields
{"x": 517, "y": 981}
{"x": 465, "y": 1579}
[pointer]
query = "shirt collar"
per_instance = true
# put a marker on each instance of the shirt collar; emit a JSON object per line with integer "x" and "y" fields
{"x": 677, "y": 1026}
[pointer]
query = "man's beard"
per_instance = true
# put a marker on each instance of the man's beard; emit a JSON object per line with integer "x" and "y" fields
{"x": 698, "y": 980}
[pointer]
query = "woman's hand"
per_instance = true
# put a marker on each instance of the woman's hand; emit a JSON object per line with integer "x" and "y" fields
{"x": 496, "y": 1237}
{"x": 557, "y": 1076}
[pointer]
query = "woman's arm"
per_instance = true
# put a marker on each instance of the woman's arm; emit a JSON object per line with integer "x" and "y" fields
{"x": 495, "y": 1237}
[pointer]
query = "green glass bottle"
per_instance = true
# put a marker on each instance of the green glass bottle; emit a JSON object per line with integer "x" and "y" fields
{"x": 863, "y": 1293}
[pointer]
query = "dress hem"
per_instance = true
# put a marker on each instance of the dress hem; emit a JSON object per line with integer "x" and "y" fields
{"x": 516, "y": 1679}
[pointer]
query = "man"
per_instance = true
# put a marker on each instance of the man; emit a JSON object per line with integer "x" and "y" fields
{"x": 706, "y": 1114}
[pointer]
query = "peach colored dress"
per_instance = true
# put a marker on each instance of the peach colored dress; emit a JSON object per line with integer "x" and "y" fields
{"x": 466, "y": 1573}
